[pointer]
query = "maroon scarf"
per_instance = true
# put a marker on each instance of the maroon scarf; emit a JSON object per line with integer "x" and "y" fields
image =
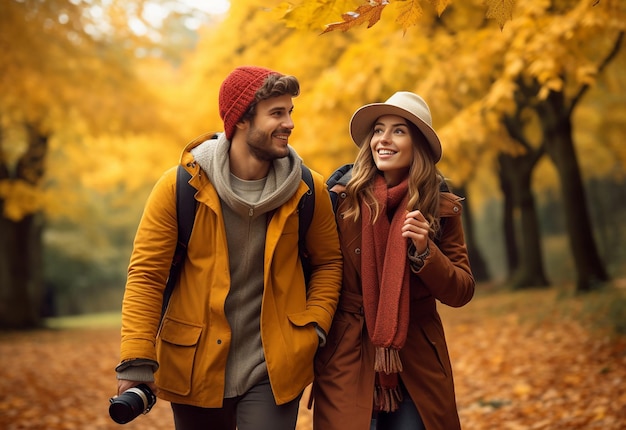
{"x": 385, "y": 279}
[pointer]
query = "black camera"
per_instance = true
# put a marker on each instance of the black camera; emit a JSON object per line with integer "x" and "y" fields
{"x": 131, "y": 403}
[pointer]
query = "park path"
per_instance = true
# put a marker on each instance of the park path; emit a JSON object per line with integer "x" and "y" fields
{"x": 521, "y": 362}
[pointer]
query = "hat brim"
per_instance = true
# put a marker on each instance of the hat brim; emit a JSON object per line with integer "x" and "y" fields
{"x": 363, "y": 119}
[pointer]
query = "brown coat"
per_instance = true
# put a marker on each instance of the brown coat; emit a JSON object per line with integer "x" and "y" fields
{"x": 344, "y": 369}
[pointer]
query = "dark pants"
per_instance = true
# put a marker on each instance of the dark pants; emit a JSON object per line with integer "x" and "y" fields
{"x": 405, "y": 418}
{"x": 255, "y": 410}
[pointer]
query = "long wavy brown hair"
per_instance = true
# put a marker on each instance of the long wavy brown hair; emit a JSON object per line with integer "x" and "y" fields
{"x": 424, "y": 182}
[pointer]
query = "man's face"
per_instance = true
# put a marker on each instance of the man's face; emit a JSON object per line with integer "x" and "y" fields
{"x": 268, "y": 132}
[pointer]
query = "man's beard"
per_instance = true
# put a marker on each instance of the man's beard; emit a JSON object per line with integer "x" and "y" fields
{"x": 260, "y": 145}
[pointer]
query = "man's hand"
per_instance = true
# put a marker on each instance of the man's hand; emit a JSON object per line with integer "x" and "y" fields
{"x": 124, "y": 384}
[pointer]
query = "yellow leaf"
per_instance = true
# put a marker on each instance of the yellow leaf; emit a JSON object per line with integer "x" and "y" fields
{"x": 369, "y": 13}
{"x": 308, "y": 14}
{"x": 500, "y": 10}
{"x": 408, "y": 14}
{"x": 440, "y": 5}
{"x": 522, "y": 389}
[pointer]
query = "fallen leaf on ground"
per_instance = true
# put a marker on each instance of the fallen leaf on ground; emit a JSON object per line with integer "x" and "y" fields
{"x": 512, "y": 371}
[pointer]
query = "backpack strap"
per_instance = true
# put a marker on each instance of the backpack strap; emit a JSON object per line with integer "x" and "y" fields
{"x": 185, "y": 215}
{"x": 340, "y": 176}
{"x": 306, "y": 207}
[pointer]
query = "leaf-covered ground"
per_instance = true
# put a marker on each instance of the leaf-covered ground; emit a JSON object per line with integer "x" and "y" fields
{"x": 531, "y": 360}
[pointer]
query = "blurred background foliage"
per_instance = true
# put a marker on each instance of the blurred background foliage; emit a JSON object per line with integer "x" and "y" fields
{"x": 99, "y": 97}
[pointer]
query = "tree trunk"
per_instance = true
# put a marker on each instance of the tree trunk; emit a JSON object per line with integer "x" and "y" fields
{"x": 557, "y": 128}
{"x": 21, "y": 282}
{"x": 479, "y": 267}
{"x": 555, "y": 115}
{"x": 531, "y": 272}
{"x": 517, "y": 172}
{"x": 508, "y": 220}
{"x": 22, "y": 288}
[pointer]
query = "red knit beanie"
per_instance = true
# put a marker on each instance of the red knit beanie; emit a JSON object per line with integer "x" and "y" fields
{"x": 237, "y": 94}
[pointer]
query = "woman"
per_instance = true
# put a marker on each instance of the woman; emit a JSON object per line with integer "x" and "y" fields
{"x": 386, "y": 362}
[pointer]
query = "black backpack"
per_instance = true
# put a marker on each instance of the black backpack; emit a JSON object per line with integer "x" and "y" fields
{"x": 340, "y": 176}
{"x": 186, "y": 213}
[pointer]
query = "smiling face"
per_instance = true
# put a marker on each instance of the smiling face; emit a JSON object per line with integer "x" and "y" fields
{"x": 392, "y": 148}
{"x": 268, "y": 131}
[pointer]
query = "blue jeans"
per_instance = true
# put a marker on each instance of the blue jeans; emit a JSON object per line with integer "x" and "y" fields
{"x": 405, "y": 418}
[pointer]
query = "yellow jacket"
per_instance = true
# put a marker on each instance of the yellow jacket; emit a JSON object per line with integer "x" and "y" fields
{"x": 192, "y": 344}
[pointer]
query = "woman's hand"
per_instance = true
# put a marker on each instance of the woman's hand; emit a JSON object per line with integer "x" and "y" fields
{"x": 417, "y": 229}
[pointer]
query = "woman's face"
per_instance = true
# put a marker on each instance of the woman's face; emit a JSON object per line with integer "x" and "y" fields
{"x": 392, "y": 148}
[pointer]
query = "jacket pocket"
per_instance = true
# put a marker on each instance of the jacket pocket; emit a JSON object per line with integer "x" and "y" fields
{"x": 438, "y": 347}
{"x": 304, "y": 339}
{"x": 176, "y": 352}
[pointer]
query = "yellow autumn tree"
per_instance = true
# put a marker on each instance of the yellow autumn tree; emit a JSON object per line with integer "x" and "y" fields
{"x": 69, "y": 79}
{"x": 487, "y": 80}
{"x": 78, "y": 106}
{"x": 547, "y": 58}
{"x": 468, "y": 59}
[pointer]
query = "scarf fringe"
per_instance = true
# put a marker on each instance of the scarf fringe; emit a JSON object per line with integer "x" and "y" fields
{"x": 387, "y": 399}
{"x": 387, "y": 360}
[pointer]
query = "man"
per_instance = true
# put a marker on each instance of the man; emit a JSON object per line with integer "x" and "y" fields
{"x": 237, "y": 342}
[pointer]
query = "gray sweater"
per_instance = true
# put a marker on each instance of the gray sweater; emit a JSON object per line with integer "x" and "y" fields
{"x": 246, "y": 205}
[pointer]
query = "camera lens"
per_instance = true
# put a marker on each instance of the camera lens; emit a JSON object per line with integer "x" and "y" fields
{"x": 133, "y": 402}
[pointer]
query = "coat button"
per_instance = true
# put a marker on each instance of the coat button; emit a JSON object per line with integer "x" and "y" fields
{"x": 219, "y": 341}
{"x": 455, "y": 208}
{"x": 357, "y": 251}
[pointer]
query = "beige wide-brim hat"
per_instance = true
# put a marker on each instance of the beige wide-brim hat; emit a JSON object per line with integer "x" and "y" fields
{"x": 403, "y": 103}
